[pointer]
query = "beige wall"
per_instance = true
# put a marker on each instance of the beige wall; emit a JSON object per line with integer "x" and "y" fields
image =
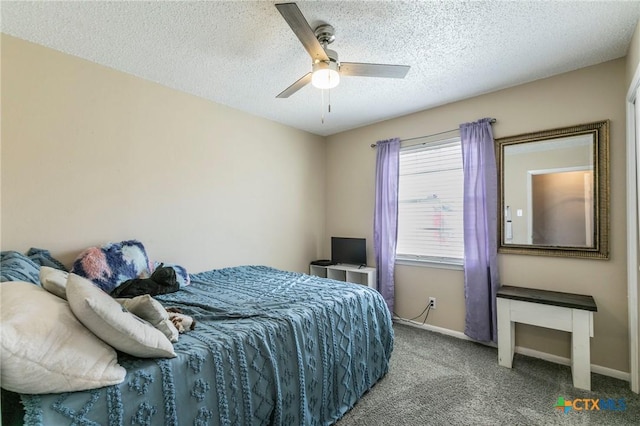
{"x": 91, "y": 155}
{"x": 582, "y": 96}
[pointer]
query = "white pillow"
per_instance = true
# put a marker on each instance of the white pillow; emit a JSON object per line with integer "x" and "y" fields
{"x": 45, "y": 349}
{"x": 101, "y": 314}
{"x": 54, "y": 281}
{"x": 149, "y": 309}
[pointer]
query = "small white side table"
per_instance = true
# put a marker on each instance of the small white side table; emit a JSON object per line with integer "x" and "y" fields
{"x": 551, "y": 309}
{"x": 349, "y": 273}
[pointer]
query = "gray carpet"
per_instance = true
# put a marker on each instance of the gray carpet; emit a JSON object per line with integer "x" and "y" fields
{"x": 435, "y": 379}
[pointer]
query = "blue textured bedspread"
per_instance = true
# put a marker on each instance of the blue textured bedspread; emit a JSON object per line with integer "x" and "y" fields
{"x": 269, "y": 347}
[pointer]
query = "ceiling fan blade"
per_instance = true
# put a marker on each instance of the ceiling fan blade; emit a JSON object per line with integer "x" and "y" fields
{"x": 373, "y": 70}
{"x": 291, "y": 13}
{"x": 303, "y": 81}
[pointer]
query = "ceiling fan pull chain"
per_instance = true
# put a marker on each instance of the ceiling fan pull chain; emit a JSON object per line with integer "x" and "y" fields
{"x": 329, "y": 103}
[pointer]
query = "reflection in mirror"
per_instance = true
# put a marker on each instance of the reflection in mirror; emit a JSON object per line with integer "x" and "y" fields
{"x": 556, "y": 207}
{"x": 554, "y": 192}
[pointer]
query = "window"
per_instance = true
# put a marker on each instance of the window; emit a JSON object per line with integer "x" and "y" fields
{"x": 430, "y": 196}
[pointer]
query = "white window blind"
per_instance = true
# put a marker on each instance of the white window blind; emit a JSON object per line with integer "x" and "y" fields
{"x": 430, "y": 203}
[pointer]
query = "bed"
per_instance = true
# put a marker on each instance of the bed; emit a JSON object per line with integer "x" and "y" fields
{"x": 269, "y": 347}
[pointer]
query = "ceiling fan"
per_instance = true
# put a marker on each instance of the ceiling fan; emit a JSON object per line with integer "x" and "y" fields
{"x": 326, "y": 69}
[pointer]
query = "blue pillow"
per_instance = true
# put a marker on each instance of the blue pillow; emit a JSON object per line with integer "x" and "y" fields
{"x": 16, "y": 266}
{"x": 43, "y": 258}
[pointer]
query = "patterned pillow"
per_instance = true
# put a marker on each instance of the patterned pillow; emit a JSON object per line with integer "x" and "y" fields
{"x": 182, "y": 276}
{"x": 16, "y": 266}
{"x": 112, "y": 264}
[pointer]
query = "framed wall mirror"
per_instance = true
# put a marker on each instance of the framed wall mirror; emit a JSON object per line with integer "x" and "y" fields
{"x": 553, "y": 191}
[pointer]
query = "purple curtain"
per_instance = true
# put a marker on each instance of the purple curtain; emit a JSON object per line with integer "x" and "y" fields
{"x": 385, "y": 217}
{"x": 480, "y": 229}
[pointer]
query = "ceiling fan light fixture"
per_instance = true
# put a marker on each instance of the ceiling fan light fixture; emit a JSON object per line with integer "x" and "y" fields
{"x": 325, "y": 75}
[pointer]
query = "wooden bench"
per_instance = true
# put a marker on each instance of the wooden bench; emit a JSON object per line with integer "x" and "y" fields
{"x": 551, "y": 309}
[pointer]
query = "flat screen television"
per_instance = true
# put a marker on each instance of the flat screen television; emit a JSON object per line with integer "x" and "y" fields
{"x": 352, "y": 251}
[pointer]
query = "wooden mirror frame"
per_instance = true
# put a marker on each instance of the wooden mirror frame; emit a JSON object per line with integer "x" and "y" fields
{"x": 600, "y": 248}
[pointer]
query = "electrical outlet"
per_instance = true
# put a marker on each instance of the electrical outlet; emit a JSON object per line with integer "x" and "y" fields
{"x": 432, "y": 302}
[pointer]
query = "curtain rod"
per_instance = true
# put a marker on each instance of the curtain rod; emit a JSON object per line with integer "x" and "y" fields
{"x": 373, "y": 145}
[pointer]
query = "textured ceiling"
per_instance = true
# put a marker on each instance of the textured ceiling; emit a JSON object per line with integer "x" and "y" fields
{"x": 242, "y": 53}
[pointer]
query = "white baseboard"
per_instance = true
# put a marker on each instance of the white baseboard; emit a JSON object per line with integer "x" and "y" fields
{"x": 430, "y": 327}
{"x": 605, "y": 371}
